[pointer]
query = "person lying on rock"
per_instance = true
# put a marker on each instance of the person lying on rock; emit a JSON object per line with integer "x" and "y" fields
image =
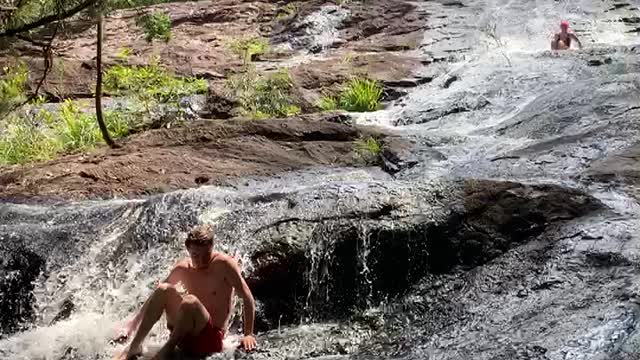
{"x": 562, "y": 40}
{"x": 198, "y": 318}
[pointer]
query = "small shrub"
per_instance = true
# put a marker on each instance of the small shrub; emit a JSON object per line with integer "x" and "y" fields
{"x": 21, "y": 143}
{"x": 248, "y": 47}
{"x": 41, "y": 135}
{"x": 156, "y": 25}
{"x": 327, "y": 103}
{"x": 368, "y": 150}
{"x": 118, "y": 123}
{"x": 76, "y": 130}
{"x": 361, "y": 95}
{"x": 12, "y": 86}
{"x": 150, "y": 81}
{"x": 264, "y": 96}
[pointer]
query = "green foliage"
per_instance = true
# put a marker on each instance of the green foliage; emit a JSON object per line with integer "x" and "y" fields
{"x": 156, "y": 25}
{"x": 22, "y": 143}
{"x": 358, "y": 95}
{"x": 125, "y": 4}
{"x": 361, "y": 95}
{"x": 264, "y": 96}
{"x": 151, "y": 82}
{"x": 327, "y": 103}
{"x": 12, "y": 86}
{"x": 248, "y": 47}
{"x": 118, "y": 123}
{"x": 368, "y": 150}
{"x": 45, "y": 135}
{"x": 286, "y": 11}
{"x": 124, "y": 53}
{"x": 76, "y": 130}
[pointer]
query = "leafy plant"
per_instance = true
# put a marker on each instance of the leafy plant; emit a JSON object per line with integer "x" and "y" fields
{"x": 12, "y": 84}
{"x": 150, "y": 81}
{"x": 361, "y": 95}
{"x": 368, "y": 150}
{"x": 156, "y": 25}
{"x": 248, "y": 47}
{"x": 76, "y": 130}
{"x": 358, "y": 94}
{"x": 263, "y": 96}
{"x": 327, "y": 103}
{"x": 22, "y": 143}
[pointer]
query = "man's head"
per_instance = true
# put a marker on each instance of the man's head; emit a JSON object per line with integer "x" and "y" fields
{"x": 199, "y": 243}
{"x": 564, "y": 25}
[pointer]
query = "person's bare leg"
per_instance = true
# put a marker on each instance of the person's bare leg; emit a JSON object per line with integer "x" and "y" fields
{"x": 191, "y": 318}
{"x": 161, "y": 299}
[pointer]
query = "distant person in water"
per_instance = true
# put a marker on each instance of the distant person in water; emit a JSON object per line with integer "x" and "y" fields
{"x": 198, "y": 318}
{"x": 562, "y": 40}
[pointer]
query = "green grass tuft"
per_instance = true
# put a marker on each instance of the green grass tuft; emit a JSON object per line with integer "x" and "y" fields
{"x": 327, "y": 103}
{"x": 248, "y": 47}
{"x": 12, "y": 86}
{"x": 25, "y": 142}
{"x": 264, "y": 96}
{"x": 76, "y": 130}
{"x": 150, "y": 81}
{"x": 361, "y": 95}
{"x": 368, "y": 150}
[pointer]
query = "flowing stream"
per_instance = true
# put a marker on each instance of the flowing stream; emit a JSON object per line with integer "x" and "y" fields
{"x": 500, "y": 106}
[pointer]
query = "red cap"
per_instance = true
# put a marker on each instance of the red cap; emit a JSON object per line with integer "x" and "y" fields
{"x": 564, "y": 23}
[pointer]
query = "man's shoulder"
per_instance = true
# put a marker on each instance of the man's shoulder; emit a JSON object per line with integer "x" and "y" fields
{"x": 225, "y": 258}
{"x": 226, "y": 261}
{"x": 182, "y": 264}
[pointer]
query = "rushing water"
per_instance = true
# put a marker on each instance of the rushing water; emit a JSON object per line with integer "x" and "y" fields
{"x": 502, "y": 106}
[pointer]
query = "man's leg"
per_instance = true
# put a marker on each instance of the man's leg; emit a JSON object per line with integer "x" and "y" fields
{"x": 191, "y": 319}
{"x": 164, "y": 298}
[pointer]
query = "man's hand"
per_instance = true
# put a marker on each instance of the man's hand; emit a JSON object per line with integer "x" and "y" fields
{"x": 124, "y": 333}
{"x": 248, "y": 343}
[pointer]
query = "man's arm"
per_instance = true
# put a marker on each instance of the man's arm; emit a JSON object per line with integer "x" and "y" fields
{"x": 554, "y": 42}
{"x": 248, "y": 303}
{"x": 574, "y": 37}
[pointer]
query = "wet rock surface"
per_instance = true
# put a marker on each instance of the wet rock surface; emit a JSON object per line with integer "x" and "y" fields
{"x": 409, "y": 232}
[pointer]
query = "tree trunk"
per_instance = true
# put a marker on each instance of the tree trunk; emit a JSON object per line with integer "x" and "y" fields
{"x": 99, "y": 117}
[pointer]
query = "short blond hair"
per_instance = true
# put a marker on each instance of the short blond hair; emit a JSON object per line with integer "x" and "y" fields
{"x": 201, "y": 233}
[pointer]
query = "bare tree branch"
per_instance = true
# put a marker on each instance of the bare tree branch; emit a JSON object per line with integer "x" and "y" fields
{"x": 48, "y": 19}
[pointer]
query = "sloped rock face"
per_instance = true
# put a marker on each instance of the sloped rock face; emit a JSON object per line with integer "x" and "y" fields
{"x": 156, "y": 161}
{"x": 355, "y": 245}
{"x": 202, "y": 32}
{"x": 330, "y": 267}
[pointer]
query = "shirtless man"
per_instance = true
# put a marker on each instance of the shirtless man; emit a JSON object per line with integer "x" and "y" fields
{"x": 562, "y": 40}
{"x": 197, "y": 319}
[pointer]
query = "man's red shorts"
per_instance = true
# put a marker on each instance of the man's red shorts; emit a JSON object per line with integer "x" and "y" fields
{"x": 207, "y": 342}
